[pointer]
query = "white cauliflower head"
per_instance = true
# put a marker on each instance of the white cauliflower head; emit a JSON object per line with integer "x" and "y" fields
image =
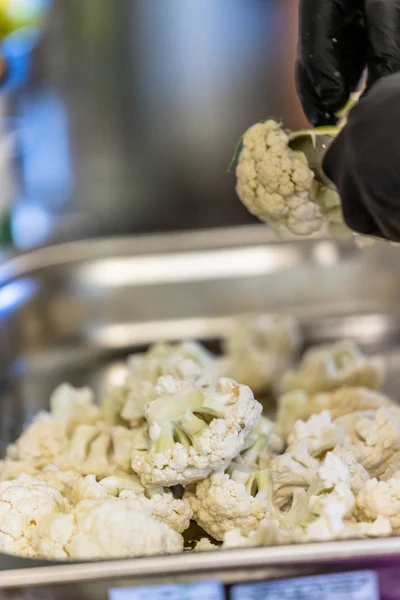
{"x": 358, "y": 474}
{"x": 294, "y": 469}
{"x": 194, "y": 430}
{"x": 24, "y": 502}
{"x": 74, "y": 405}
{"x": 158, "y": 502}
{"x": 373, "y": 437}
{"x": 188, "y": 361}
{"x": 296, "y": 405}
{"x": 347, "y": 400}
{"x": 330, "y": 367}
{"x": 275, "y": 183}
{"x": 319, "y": 433}
{"x": 291, "y": 407}
{"x": 380, "y": 499}
{"x": 261, "y": 446}
{"x": 104, "y": 528}
{"x": 258, "y": 350}
{"x": 237, "y": 499}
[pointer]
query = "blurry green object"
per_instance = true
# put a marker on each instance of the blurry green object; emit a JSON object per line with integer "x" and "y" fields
{"x": 6, "y": 239}
{"x": 16, "y": 15}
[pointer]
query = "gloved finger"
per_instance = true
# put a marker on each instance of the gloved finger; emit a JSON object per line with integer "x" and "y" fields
{"x": 383, "y": 28}
{"x": 331, "y": 54}
{"x": 313, "y": 108}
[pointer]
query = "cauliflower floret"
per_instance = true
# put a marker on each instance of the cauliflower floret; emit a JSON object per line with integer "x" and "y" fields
{"x": 63, "y": 481}
{"x": 11, "y": 469}
{"x": 187, "y": 361}
{"x": 261, "y": 446}
{"x": 291, "y": 407}
{"x": 347, "y": 400}
{"x": 48, "y": 436}
{"x": 266, "y": 534}
{"x": 305, "y": 217}
{"x": 161, "y": 504}
{"x": 358, "y": 474}
{"x": 373, "y": 437}
{"x": 40, "y": 444}
{"x": 74, "y": 405}
{"x": 380, "y": 499}
{"x": 329, "y": 488}
{"x": 104, "y": 528}
{"x": 237, "y": 499}
{"x": 24, "y": 502}
{"x": 392, "y": 472}
{"x": 98, "y": 450}
{"x": 194, "y": 430}
{"x": 258, "y": 350}
{"x": 296, "y": 405}
{"x": 326, "y": 528}
{"x": 157, "y": 502}
{"x": 205, "y": 545}
{"x": 275, "y": 183}
{"x": 328, "y": 368}
{"x": 318, "y": 432}
{"x": 294, "y": 469}
{"x": 87, "y": 488}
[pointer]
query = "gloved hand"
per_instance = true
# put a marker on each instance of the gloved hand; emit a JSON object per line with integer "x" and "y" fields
{"x": 338, "y": 40}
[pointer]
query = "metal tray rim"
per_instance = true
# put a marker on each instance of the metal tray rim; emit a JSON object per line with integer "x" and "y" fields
{"x": 17, "y": 265}
{"x": 191, "y": 564}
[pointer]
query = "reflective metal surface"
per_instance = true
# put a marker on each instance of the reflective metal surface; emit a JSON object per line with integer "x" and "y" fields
{"x": 73, "y": 312}
{"x": 143, "y": 103}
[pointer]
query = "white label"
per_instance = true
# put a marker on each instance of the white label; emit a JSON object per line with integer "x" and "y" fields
{"x": 361, "y": 585}
{"x": 210, "y": 590}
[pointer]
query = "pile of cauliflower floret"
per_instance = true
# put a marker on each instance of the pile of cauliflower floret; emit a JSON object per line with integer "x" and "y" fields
{"x": 276, "y": 185}
{"x": 184, "y": 440}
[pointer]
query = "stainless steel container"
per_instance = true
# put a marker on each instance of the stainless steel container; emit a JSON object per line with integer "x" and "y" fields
{"x": 72, "y": 312}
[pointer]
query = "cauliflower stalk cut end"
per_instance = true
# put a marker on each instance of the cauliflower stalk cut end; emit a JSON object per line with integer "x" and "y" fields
{"x": 194, "y": 431}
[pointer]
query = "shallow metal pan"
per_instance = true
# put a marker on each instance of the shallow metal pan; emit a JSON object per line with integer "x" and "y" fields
{"x": 74, "y": 311}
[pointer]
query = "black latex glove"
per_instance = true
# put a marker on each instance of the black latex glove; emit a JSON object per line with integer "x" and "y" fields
{"x": 338, "y": 39}
{"x": 364, "y": 160}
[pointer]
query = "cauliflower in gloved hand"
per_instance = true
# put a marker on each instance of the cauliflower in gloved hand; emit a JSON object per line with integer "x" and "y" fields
{"x": 275, "y": 183}
{"x": 258, "y": 350}
{"x": 237, "y": 499}
{"x": 194, "y": 430}
{"x": 373, "y": 437}
{"x": 24, "y": 502}
{"x": 330, "y": 367}
{"x": 104, "y": 528}
{"x": 187, "y": 361}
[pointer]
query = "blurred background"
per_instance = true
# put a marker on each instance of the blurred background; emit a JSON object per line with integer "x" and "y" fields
{"x": 121, "y": 116}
